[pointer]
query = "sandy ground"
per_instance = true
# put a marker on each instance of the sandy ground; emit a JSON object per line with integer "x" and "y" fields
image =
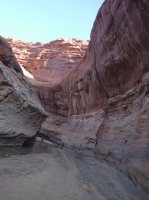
{"x": 62, "y": 175}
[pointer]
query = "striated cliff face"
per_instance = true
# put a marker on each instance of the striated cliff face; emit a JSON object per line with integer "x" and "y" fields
{"x": 117, "y": 56}
{"x": 21, "y": 114}
{"x": 114, "y": 80}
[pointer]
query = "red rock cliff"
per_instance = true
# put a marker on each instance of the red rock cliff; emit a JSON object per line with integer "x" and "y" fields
{"x": 117, "y": 57}
{"x": 114, "y": 79}
{"x": 50, "y": 63}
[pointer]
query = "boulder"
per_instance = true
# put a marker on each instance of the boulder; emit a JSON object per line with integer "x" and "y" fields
{"x": 21, "y": 113}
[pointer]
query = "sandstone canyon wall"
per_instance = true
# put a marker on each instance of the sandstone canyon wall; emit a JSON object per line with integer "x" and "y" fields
{"x": 21, "y": 114}
{"x": 117, "y": 57}
{"x": 106, "y": 96}
{"x": 114, "y": 79}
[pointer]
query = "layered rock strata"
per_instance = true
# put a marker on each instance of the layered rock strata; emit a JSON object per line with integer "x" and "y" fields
{"x": 49, "y": 62}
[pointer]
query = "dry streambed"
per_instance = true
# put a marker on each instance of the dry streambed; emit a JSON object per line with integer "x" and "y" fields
{"x": 62, "y": 174}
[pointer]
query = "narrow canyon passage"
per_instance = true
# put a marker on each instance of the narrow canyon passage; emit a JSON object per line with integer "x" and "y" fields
{"x": 76, "y": 100}
{"x": 62, "y": 174}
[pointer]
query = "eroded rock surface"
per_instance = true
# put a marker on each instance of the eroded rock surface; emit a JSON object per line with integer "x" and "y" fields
{"x": 62, "y": 174}
{"x": 110, "y": 79}
{"x": 50, "y": 62}
{"x": 7, "y": 57}
{"x": 21, "y": 113}
{"x": 117, "y": 57}
{"x": 123, "y": 136}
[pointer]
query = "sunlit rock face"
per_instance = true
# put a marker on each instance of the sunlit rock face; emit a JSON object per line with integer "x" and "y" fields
{"x": 21, "y": 113}
{"x": 27, "y": 73}
{"x": 46, "y": 65}
{"x": 50, "y": 62}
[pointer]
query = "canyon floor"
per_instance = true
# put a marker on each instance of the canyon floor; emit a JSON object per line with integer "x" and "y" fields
{"x": 52, "y": 173}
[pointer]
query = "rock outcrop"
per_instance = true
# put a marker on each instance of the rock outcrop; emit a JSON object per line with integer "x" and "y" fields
{"x": 21, "y": 114}
{"x": 51, "y": 62}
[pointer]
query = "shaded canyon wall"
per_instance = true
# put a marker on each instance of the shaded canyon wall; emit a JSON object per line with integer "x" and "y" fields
{"x": 114, "y": 78}
{"x": 21, "y": 113}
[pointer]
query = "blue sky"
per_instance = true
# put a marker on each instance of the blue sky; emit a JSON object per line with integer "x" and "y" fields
{"x": 46, "y": 20}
